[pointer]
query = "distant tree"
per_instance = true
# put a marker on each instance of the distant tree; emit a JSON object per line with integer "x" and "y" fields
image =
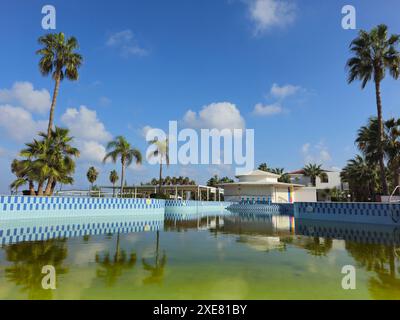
{"x": 313, "y": 171}
{"x": 263, "y": 167}
{"x": 121, "y": 148}
{"x": 113, "y": 179}
{"x": 92, "y": 175}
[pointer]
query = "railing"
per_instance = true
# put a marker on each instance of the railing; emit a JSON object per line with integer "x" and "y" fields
{"x": 393, "y": 193}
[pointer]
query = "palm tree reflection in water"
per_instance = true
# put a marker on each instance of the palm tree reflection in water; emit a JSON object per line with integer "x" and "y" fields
{"x": 383, "y": 260}
{"x": 27, "y": 260}
{"x": 156, "y": 271}
{"x": 111, "y": 269}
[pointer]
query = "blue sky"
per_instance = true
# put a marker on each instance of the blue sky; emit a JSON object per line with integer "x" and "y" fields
{"x": 280, "y": 65}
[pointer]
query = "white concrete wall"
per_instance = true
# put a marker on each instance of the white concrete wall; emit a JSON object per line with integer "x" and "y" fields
{"x": 308, "y": 194}
{"x": 334, "y": 181}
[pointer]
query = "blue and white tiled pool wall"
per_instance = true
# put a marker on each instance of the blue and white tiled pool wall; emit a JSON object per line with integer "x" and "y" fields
{"x": 25, "y": 207}
{"x": 259, "y": 208}
{"x": 20, "y": 230}
{"x": 375, "y": 213}
{"x": 191, "y": 207}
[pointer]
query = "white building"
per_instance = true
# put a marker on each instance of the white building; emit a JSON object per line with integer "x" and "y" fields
{"x": 330, "y": 181}
{"x": 263, "y": 186}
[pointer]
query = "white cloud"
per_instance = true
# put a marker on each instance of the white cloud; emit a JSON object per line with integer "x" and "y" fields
{"x": 85, "y": 125}
{"x": 318, "y": 153}
{"x": 281, "y": 92}
{"x": 19, "y": 124}
{"x": 267, "y": 14}
{"x": 126, "y": 43}
{"x": 24, "y": 95}
{"x": 104, "y": 101}
{"x": 267, "y": 110}
{"x": 221, "y": 115}
{"x": 91, "y": 150}
{"x": 88, "y": 131}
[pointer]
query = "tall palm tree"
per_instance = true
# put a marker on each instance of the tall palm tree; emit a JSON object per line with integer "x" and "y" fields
{"x": 313, "y": 171}
{"x": 121, "y": 148}
{"x": 58, "y": 58}
{"x": 161, "y": 152}
{"x": 374, "y": 53}
{"x": 92, "y": 175}
{"x": 113, "y": 179}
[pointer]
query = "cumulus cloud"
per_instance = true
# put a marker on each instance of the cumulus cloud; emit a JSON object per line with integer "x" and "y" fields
{"x": 267, "y": 14}
{"x": 282, "y": 92}
{"x": 89, "y": 132}
{"x": 221, "y": 115}
{"x": 19, "y": 124}
{"x": 84, "y": 124}
{"x": 91, "y": 150}
{"x": 24, "y": 95}
{"x": 317, "y": 153}
{"x": 126, "y": 43}
{"x": 267, "y": 110}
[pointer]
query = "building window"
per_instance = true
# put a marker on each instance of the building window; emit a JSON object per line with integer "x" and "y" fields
{"x": 324, "y": 178}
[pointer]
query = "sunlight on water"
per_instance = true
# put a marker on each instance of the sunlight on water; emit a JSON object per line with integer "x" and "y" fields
{"x": 219, "y": 256}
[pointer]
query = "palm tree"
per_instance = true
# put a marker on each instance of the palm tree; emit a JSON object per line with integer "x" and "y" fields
{"x": 25, "y": 173}
{"x": 263, "y": 167}
{"x": 113, "y": 179}
{"x": 392, "y": 149}
{"x": 59, "y": 58}
{"x": 121, "y": 148}
{"x": 313, "y": 171}
{"x": 284, "y": 177}
{"x": 213, "y": 181}
{"x": 161, "y": 152}
{"x": 362, "y": 178}
{"x": 374, "y": 53}
{"x": 92, "y": 175}
{"x": 60, "y": 158}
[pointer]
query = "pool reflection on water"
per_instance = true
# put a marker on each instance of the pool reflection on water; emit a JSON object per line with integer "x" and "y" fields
{"x": 221, "y": 255}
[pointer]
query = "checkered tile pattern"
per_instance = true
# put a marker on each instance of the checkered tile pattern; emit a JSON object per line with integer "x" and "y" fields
{"x": 262, "y": 208}
{"x": 386, "y": 213}
{"x": 360, "y": 233}
{"x": 22, "y": 203}
{"x": 37, "y": 232}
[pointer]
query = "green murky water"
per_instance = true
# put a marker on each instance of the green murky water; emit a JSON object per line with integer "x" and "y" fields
{"x": 228, "y": 256}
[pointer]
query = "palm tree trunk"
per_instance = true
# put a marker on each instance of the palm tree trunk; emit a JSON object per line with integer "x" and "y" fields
{"x": 122, "y": 176}
{"x": 40, "y": 188}
{"x": 160, "y": 180}
{"x": 48, "y": 186}
{"x": 53, "y": 187}
{"x": 31, "y": 188}
{"x": 53, "y": 104}
{"x": 380, "y": 146}
{"x": 113, "y": 189}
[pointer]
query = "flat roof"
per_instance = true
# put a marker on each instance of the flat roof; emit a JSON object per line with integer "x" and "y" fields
{"x": 281, "y": 184}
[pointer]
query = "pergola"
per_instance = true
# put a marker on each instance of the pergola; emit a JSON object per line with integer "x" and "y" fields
{"x": 183, "y": 192}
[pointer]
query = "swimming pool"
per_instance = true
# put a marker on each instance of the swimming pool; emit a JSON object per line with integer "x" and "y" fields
{"x": 215, "y": 255}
